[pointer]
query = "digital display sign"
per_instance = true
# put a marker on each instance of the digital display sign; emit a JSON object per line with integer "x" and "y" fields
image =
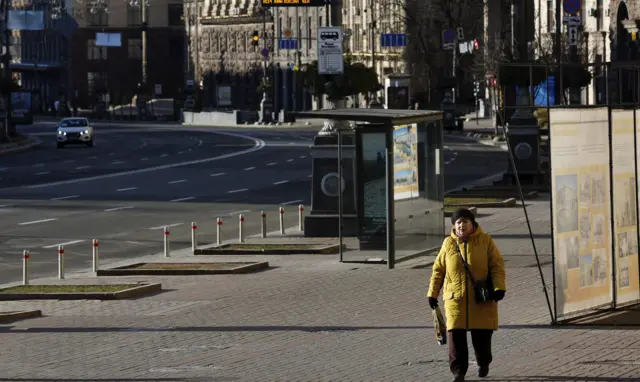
{"x": 295, "y": 3}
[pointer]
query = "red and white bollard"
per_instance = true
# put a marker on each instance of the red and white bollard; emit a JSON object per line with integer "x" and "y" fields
{"x": 263, "y": 224}
{"x": 96, "y": 254}
{"x": 167, "y": 243}
{"x": 60, "y": 262}
{"x": 241, "y": 228}
{"x": 194, "y": 238}
{"x": 25, "y": 267}
{"x": 301, "y": 218}
{"x": 218, "y": 233}
{"x": 282, "y": 220}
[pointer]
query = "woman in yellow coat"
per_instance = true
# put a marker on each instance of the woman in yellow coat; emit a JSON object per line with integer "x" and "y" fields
{"x": 463, "y": 313}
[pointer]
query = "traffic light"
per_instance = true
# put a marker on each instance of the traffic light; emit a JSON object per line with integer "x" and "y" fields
{"x": 255, "y": 38}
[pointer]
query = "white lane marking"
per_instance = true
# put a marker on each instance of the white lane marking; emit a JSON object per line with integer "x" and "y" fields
{"x": 290, "y": 202}
{"x": 164, "y": 155}
{"x": 93, "y": 157}
{"x": 271, "y": 164}
{"x": 302, "y": 156}
{"x": 4, "y": 205}
{"x": 38, "y": 165}
{"x": 199, "y": 143}
{"x": 281, "y": 182}
{"x": 127, "y": 189}
{"x": 218, "y": 174}
{"x": 117, "y": 162}
{"x": 144, "y": 159}
{"x": 240, "y": 190}
{"x": 38, "y": 221}
{"x": 177, "y": 181}
{"x": 43, "y": 173}
{"x": 66, "y": 197}
{"x": 249, "y": 168}
{"x": 237, "y": 212}
{"x": 82, "y": 167}
{"x": 119, "y": 208}
{"x": 447, "y": 147}
{"x": 310, "y": 175}
{"x": 449, "y": 162}
{"x": 258, "y": 145}
{"x": 69, "y": 161}
{"x": 180, "y": 152}
{"x": 3, "y": 168}
{"x": 63, "y": 244}
{"x": 455, "y": 153}
{"x": 168, "y": 226}
{"x": 112, "y": 154}
{"x": 183, "y": 199}
{"x": 289, "y": 160}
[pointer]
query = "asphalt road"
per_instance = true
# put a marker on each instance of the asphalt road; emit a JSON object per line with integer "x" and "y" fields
{"x": 140, "y": 178}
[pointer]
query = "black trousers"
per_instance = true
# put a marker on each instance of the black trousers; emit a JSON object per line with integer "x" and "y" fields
{"x": 459, "y": 351}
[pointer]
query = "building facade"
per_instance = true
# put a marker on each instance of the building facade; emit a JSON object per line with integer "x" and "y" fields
{"x": 116, "y": 70}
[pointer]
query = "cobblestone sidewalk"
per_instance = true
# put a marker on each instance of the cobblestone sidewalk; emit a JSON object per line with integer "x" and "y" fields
{"x": 310, "y": 318}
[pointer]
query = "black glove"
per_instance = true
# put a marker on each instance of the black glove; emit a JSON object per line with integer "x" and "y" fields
{"x": 433, "y": 302}
{"x": 498, "y": 295}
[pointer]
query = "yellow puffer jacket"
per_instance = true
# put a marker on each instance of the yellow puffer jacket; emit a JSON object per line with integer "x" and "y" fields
{"x": 482, "y": 255}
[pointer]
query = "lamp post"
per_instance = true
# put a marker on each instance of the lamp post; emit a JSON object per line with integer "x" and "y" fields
{"x": 143, "y": 5}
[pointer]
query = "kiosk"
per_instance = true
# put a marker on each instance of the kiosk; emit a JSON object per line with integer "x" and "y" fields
{"x": 396, "y": 158}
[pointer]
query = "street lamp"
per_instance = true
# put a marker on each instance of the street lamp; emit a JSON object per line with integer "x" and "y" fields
{"x": 142, "y": 4}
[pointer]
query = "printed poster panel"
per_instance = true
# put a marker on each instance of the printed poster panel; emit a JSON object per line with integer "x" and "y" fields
{"x": 373, "y": 227}
{"x": 625, "y": 231}
{"x": 581, "y": 208}
{"x": 405, "y": 162}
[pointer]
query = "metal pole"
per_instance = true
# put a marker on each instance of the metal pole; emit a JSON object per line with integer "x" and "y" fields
{"x": 143, "y": 14}
{"x": 194, "y": 237}
{"x": 340, "y": 195}
{"x": 96, "y": 255}
{"x": 167, "y": 248}
{"x": 218, "y": 231}
{"x": 7, "y": 67}
{"x": 60, "y": 262}
{"x": 301, "y": 218}
{"x": 282, "y": 231}
{"x": 391, "y": 261}
{"x": 263, "y": 224}
{"x": 25, "y": 267}
{"x": 241, "y": 228}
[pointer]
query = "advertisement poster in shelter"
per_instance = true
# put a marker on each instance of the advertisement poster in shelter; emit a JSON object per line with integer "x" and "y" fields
{"x": 581, "y": 208}
{"x": 405, "y": 162}
{"x": 373, "y": 226}
{"x": 625, "y": 231}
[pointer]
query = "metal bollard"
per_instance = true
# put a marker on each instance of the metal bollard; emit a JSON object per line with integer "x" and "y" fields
{"x": 194, "y": 238}
{"x": 60, "y": 262}
{"x": 167, "y": 248}
{"x": 218, "y": 233}
{"x": 96, "y": 255}
{"x": 241, "y": 228}
{"x": 263, "y": 224}
{"x": 282, "y": 220}
{"x": 25, "y": 267}
{"x": 301, "y": 218}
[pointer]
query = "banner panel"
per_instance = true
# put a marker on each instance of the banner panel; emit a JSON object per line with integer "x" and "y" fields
{"x": 581, "y": 208}
{"x": 625, "y": 235}
{"x": 405, "y": 162}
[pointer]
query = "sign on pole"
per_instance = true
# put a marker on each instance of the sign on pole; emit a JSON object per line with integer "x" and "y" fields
{"x": 572, "y": 6}
{"x": 571, "y": 20}
{"x": 573, "y": 35}
{"x": 448, "y": 39}
{"x": 330, "y": 60}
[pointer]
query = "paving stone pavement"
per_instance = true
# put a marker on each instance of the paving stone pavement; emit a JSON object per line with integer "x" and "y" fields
{"x": 309, "y": 318}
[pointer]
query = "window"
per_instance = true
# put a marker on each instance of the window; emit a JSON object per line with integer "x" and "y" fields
{"x": 98, "y": 18}
{"x": 96, "y": 81}
{"x": 95, "y": 52}
{"x": 74, "y": 122}
{"x": 134, "y": 15}
{"x": 134, "y": 49}
{"x": 176, "y": 15}
{"x": 550, "y": 16}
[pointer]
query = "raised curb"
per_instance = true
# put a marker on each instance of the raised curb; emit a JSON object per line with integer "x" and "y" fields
{"x": 472, "y": 209}
{"x": 8, "y": 317}
{"x": 510, "y": 202}
{"x": 246, "y": 267}
{"x": 483, "y": 139}
{"x": 328, "y": 249}
{"x": 11, "y": 148}
{"x": 137, "y": 291}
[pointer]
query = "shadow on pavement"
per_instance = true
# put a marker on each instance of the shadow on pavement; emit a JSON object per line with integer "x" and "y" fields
{"x": 193, "y": 379}
{"x": 558, "y": 378}
{"x": 275, "y": 328}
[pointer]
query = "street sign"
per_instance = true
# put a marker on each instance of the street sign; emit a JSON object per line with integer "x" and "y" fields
{"x": 393, "y": 40}
{"x": 572, "y": 6}
{"x": 287, "y": 32}
{"x": 265, "y": 53}
{"x": 448, "y": 39}
{"x": 294, "y": 3}
{"x": 571, "y": 20}
{"x": 330, "y": 60}
{"x": 460, "y": 33}
{"x": 573, "y": 35}
{"x": 288, "y": 44}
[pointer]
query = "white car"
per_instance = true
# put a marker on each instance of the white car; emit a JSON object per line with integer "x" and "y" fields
{"x": 75, "y": 130}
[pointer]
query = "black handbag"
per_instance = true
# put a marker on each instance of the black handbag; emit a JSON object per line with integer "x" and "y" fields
{"x": 483, "y": 289}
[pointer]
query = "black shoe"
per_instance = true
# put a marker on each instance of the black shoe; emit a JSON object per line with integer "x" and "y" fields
{"x": 483, "y": 371}
{"x": 458, "y": 378}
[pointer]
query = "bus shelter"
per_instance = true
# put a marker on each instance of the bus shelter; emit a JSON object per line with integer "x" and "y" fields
{"x": 388, "y": 171}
